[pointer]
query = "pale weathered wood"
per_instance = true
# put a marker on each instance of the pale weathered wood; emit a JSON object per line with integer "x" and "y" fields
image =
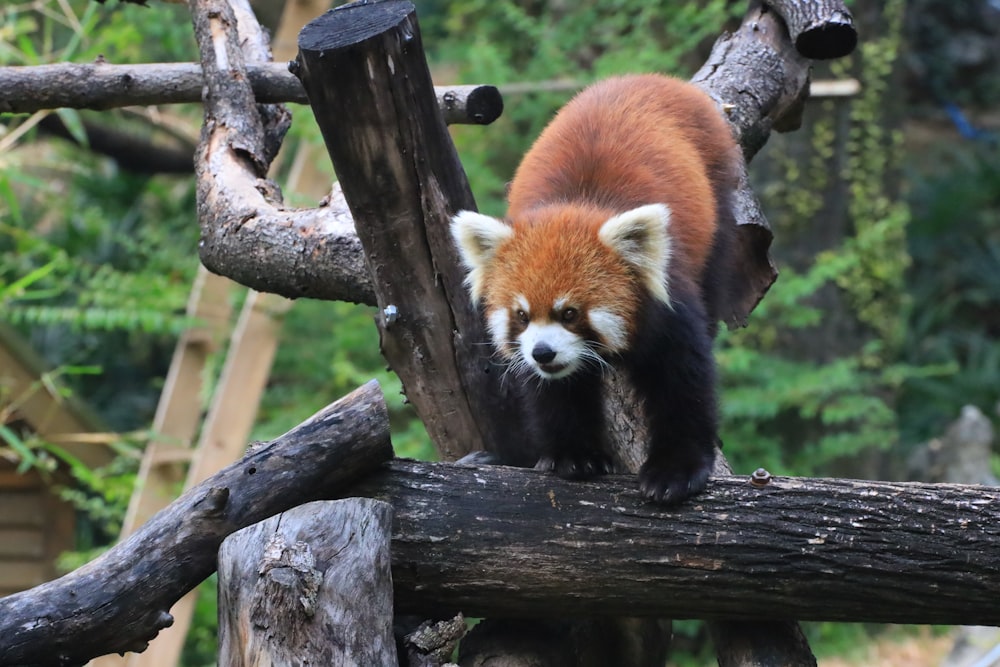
{"x": 310, "y": 586}
{"x": 364, "y": 69}
{"x": 500, "y": 541}
{"x": 119, "y": 601}
{"x": 27, "y": 89}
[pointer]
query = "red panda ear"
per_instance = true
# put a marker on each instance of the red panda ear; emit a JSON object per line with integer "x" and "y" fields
{"x": 478, "y": 236}
{"x": 641, "y": 238}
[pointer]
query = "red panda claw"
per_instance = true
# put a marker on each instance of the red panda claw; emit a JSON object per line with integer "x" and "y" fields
{"x": 578, "y": 466}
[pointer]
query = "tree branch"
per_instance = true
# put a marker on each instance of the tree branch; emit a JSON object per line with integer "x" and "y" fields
{"x": 820, "y": 29}
{"x": 795, "y": 548}
{"x": 119, "y": 601}
{"x": 104, "y": 86}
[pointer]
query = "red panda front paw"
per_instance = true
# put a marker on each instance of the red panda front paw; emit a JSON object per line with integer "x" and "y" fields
{"x": 576, "y": 465}
{"x": 671, "y": 484}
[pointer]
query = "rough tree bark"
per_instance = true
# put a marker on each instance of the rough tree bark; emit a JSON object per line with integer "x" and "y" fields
{"x": 505, "y": 541}
{"x": 820, "y": 29}
{"x": 310, "y": 586}
{"x": 119, "y": 601}
{"x": 499, "y": 540}
{"x": 364, "y": 70}
{"x": 104, "y": 86}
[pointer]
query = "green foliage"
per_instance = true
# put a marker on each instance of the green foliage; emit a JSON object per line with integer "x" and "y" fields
{"x": 327, "y": 350}
{"x": 798, "y": 410}
{"x": 955, "y": 278}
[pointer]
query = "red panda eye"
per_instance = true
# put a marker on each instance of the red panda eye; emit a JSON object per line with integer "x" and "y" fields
{"x": 522, "y": 316}
{"x": 569, "y": 315}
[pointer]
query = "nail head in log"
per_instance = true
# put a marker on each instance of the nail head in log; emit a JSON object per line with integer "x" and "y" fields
{"x": 363, "y": 68}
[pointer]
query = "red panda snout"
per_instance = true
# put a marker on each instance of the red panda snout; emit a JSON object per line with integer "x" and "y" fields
{"x": 552, "y": 351}
{"x": 559, "y": 343}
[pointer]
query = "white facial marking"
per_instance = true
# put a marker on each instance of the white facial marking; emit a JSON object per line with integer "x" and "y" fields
{"x": 610, "y": 327}
{"x": 560, "y": 303}
{"x": 568, "y": 348}
{"x": 521, "y": 303}
{"x": 498, "y": 324}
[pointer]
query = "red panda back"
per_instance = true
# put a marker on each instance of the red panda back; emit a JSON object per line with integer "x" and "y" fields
{"x": 630, "y": 141}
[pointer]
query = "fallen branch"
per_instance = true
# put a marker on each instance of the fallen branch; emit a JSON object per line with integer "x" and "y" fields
{"x": 119, "y": 601}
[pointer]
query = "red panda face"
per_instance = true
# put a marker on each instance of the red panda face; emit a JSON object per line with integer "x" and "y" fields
{"x": 562, "y": 289}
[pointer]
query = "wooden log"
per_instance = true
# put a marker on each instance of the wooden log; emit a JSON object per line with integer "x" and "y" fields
{"x": 363, "y": 67}
{"x": 310, "y": 586}
{"x": 119, "y": 601}
{"x": 498, "y": 541}
{"x": 102, "y": 86}
{"x": 820, "y": 29}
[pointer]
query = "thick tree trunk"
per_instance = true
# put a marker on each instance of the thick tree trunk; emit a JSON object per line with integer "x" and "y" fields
{"x": 310, "y": 586}
{"x": 119, "y": 601}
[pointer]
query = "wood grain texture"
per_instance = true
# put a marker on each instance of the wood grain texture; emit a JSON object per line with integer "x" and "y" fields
{"x": 309, "y": 586}
{"x": 119, "y": 601}
{"x": 364, "y": 70}
{"x": 820, "y": 29}
{"x": 509, "y": 542}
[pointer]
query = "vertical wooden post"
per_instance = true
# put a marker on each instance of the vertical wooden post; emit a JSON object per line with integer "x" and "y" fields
{"x": 302, "y": 589}
{"x": 363, "y": 68}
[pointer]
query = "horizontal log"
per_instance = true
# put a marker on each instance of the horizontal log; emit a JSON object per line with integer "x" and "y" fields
{"x": 494, "y": 541}
{"x": 119, "y": 601}
{"x": 104, "y": 86}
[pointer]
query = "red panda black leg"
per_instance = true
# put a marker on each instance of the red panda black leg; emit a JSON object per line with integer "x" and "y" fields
{"x": 568, "y": 426}
{"x": 672, "y": 367}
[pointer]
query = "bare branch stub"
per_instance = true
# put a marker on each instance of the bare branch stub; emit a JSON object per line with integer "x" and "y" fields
{"x": 820, "y": 29}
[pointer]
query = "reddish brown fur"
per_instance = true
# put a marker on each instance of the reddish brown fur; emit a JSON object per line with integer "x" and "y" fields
{"x": 622, "y": 143}
{"x": 562, "y": 251}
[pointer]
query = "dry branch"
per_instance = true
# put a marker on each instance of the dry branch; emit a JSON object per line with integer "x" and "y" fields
{"x": 119, "y": 601}
{"x": 509, "y": 542}
{"x": 104, "y": 86}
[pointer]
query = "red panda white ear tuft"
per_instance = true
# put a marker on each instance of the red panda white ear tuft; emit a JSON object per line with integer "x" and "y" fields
{"x": 478, "y": 236}
{"x": 641, "y": 238}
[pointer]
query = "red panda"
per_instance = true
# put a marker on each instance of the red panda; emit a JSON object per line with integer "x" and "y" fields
{"x": 613, "y": 251}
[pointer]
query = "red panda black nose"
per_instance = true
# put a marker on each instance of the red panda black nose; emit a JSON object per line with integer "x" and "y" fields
{"x": 542, "y": 353}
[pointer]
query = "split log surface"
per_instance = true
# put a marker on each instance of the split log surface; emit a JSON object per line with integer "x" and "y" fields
{"x": 505, "y": 541}
{"x": 119, "y": 601}
{"x": 310, "y": 586}
{"x": 104, "y": 86}
{"x": 364, "y": 70}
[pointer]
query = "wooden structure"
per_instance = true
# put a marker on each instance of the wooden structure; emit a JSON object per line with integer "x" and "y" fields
{"x": 35, "y": 524}
{"x": 796, "y": 568}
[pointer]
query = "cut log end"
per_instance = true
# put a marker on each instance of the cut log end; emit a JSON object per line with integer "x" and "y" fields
{"x": 831, "y": 39}
{"x": 353, "y": 23}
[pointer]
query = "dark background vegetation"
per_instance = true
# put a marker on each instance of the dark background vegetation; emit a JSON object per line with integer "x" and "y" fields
{"x": 885, "y": 206}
